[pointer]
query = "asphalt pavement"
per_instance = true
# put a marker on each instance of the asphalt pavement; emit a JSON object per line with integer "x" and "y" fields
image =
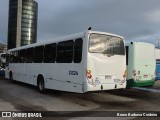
{"x": 16, "y": 96}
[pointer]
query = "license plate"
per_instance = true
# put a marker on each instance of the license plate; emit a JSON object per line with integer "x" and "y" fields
{"x": 108, "y": 77}
{"x": 145, "y": 76}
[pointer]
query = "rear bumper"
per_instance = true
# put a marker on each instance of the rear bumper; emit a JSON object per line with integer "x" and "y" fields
{"x": 102, "y": 87}
{"x": 132, "y": 83}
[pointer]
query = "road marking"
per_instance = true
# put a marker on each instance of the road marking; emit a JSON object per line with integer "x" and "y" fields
{"x": 147, "y": 89}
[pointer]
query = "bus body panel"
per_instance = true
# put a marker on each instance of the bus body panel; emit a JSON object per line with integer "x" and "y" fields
{"x": 58, "y": 78}
{"x": 106, "y": 71}
{"x": 71, "y": 75}
{"x": 18, "y": 74}
{"x": 141, "y": 62}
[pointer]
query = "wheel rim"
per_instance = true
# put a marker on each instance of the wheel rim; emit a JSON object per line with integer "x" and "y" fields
{"x": 41, "y": 85}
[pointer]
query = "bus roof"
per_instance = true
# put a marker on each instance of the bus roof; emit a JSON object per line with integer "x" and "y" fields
{"x": 129, "y": 43}
{"x": 68, "y": 37}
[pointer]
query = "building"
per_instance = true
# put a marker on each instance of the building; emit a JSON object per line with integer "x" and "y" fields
{"x": 22, "y": 23}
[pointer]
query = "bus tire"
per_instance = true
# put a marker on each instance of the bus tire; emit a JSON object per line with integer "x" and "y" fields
{"x": 10, "y": 75}
{"x": 41, "y": 84}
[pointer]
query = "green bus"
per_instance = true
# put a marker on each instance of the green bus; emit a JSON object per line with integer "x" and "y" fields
{"x": 140, "y": 64}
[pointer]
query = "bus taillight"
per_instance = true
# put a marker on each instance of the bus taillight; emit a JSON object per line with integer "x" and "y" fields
{"x": 89, "y": 75}
{"x": 124, "y": 75}
{"x": 134, "y": 72}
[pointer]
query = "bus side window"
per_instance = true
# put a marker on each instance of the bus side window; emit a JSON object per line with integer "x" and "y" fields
{"x": 29, "y": 55}
{"x": 22, "y": 55}
{"x": 7, "y": 59}
{"x": 69, "y": 51}
{"x": 127, "y": 48}
{"x": 11, "y": 57}
{"x": 50, "y": 53}
{"x": 60, "y": 52}
{"x": 38, "y": 54}
{"x": 78, "y": 50}
{"x": 15, "y": 57}
{"x": 65, "y": 52}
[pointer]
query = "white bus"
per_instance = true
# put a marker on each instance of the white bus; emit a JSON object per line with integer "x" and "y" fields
{"x": 141, "y": 64}
{"x": 82, "y": 62}
{"x": 2, "y": 60}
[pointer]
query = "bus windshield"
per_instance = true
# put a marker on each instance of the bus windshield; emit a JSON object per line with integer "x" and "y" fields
{"x": 106, "y": 44}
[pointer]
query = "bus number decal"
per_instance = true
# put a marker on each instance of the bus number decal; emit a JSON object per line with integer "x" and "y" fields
{"x": 73, "y": 72}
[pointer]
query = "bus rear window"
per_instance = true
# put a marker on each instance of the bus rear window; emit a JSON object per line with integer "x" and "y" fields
{"x": 106, "y": 44}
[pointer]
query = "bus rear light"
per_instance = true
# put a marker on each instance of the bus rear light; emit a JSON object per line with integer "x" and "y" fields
{"x": 134, "y": 72}
{"x": 124, "y": 75}
{"x": 88, "y": 72}
{"x": 89, "y": 75}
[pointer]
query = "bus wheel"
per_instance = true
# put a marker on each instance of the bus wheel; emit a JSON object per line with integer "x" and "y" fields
{"x": 40, "y": 84}
{"x": 10, "y": 75}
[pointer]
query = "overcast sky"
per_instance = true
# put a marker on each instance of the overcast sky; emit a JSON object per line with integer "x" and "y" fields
{"x": 133, "y": 19}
